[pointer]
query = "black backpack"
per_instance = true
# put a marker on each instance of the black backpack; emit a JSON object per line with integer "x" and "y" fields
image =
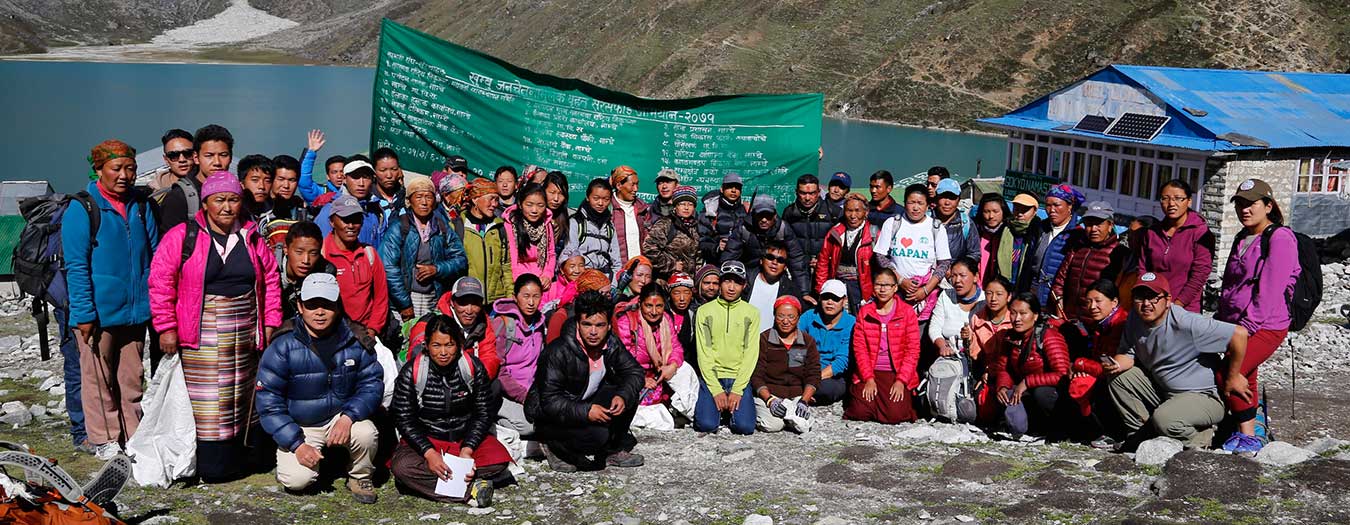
{"x": 1307, "y": 288}
{"x": 39, "y": 262}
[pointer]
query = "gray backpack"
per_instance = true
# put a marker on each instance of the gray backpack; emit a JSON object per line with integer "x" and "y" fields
{"x": 947, "y": 389}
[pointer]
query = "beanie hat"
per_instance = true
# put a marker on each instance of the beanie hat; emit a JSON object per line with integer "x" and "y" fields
{"x": 704, "y": 272}
{"x": 416, "y": 183}
{"x": 679, "y": 279}
{"x": 221, "y": 182}
{"x": 685, "y": 193}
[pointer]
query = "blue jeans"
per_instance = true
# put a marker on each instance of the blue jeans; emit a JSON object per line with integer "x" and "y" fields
{"x": 707, "y": 418}
{"x": 70, "y": 352}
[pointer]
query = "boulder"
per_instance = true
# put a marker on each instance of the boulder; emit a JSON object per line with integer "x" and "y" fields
{"x": 1282, "y": 454}
{"x": 757, "y": 519}
{"x": 1199, "y": 474}
{"x": 1325, "y": 444}
{"x": 1157, "y": 451}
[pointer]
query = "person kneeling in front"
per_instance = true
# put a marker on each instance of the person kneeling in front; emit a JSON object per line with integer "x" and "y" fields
{"x": 585, "y": 393}
{"x": 317, "y": 387}
{"x": 442, "y": 406}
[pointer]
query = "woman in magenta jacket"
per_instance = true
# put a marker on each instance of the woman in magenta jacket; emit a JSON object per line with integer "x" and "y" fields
{"x": 219, "y": 306}
{"x": 1179, "y": 247}
{"x": 1255, "y": 293}
{"x": 529, "y": 236}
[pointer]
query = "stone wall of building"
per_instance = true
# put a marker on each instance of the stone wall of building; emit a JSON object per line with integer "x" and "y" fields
{"x": 1222, "y": 178}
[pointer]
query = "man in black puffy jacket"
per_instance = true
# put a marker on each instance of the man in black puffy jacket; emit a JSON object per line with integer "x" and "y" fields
{"x": 442, "y": 406}
{"x": 317, "y": 387}
{"x": 585, "y": 393}
{"x": 811, "y": 218}
{"x": 751, "y": 242}
{"x": 723, "y": 213}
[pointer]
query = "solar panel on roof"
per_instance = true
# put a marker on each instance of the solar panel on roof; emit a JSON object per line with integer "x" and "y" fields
{"x": 1093, "y": 123}
{"x": 1137, "y": 126}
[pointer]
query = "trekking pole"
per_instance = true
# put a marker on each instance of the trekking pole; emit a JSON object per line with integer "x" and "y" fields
{"x": 1293, "y": 389}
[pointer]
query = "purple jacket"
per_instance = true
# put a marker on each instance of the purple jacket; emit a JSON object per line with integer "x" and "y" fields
{"x": 1241, "y": 283}
{"x": 1185, "y": 258}
{"x": 518, "y": 346}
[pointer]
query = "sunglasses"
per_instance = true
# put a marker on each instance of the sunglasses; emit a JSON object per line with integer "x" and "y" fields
{"x": 176, "y": 155}
{"x": 776, "y": 258}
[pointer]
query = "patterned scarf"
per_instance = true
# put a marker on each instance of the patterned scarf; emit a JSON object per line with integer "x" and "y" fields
{"x": 660, "y": 354}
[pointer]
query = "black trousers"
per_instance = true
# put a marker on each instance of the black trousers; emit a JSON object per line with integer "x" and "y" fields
{"x": 592, "y": 438}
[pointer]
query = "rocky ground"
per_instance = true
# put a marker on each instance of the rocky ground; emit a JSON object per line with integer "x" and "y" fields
{"x": 842, "y": 472}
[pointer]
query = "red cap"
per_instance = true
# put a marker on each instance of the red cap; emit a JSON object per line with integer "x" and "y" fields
{"x": 1155, "y": 282}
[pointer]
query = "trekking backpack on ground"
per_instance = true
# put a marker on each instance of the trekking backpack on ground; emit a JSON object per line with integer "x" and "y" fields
{"x": 48, "y": 495}
{"x": 947, "y": 390}
{"x": 1307, "y": 293}
{"x": 39, "y": 262}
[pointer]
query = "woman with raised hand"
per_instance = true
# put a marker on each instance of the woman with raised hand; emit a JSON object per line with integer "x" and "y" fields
{"x": 216, "y": 297}
{"x": 1258, "y": 282}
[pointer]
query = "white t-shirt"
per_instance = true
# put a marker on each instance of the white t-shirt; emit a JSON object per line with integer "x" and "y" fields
{"x": 632, "y": 235}
{"x": 913, "y": 247}
{"x": 762, "y": 297}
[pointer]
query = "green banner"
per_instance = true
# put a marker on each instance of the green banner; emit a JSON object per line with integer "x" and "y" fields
{"x": 434, "y": 99}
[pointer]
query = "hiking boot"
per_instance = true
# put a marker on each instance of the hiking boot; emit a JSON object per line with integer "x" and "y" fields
{"x": 481, "y": 493}
{"x": 624, "y": 459}
{"x": 85, "y": 447}
{"x": 1245, "y": 445}
{"x": 1105, "y": 443}
{"x": 363, "y": 491}
{"x": 556, "y": 462}
{"x": 107, "y": 451}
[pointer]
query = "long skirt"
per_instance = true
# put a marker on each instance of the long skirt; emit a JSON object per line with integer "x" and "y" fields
{"x": 222, "y": 370}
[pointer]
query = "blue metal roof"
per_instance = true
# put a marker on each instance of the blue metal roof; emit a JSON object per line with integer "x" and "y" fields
{"x": 1286, "y": 110}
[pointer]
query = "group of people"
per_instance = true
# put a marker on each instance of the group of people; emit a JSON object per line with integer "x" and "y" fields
{"x": 482, "y": 317}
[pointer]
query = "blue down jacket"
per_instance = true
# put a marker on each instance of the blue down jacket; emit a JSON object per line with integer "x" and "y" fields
{"x": 298, "y": 389}
{"x": 398, "y": 251}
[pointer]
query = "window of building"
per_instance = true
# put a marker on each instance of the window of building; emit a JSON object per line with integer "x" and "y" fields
{"x": 1127, "y": 180}
{"x": 1319, "y": 176}
{"x": 1094, "y": 171}
{"x": 1028, "y": 156}
{"x": 1078, "y": 158}
{"x": 1145, "y": 180}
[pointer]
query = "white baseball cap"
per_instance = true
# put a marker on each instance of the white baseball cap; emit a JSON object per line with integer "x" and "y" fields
{"x": 834, "y": 287}
{"x": 320, "y": 286}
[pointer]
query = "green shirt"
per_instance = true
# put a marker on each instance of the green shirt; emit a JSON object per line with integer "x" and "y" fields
{"x": 728, "y": 343}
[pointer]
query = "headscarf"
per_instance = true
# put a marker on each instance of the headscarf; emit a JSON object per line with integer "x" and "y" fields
{"x": 1066, "y": 193}
{"x": 221, "y": 182}
{"x": 659, "y": 353}
{"x": 480, "y": 187}
{"x": 621, "y": 175}
{"x": 106, "y": 151}
{"x": 788, "y": 300}
{"x": 416, "y": 183}
{"x": 591, "y": 280}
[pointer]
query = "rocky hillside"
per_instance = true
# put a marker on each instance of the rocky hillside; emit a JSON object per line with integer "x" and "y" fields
{"x": 913, "y": 61}
{"x": 31, "y": 26}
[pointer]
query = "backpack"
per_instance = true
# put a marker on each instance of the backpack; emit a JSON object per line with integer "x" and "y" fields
{"x": 1307, "y": 293}
{"x": 605, "y": 234}
{"x": 190, "y": 194}
{"x": 39, "y": 262}
{"x": 948, "y": 391}
{"x": 51, "y": 496}
{"x": 419, "y": 371}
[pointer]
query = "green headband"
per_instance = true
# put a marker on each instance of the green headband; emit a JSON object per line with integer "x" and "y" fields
{"x": 93, "y": 174}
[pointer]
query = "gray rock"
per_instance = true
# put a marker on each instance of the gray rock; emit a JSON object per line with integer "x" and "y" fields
{"x": 429, "y": 517}
{"x": 1198, "y": 474}
{"x": 587, "y": 511}
{"x": 16, "y": 414}
{"x": 627, "y": 520}
{"x": 52, "y": 382}
{"x": 10, "y": 342}
{"x": 738, "y": 457}
{"x": 41, "y": 374}
{"x": 12, "y": 407}
{"x": 1325, "y": 444}
{"x": 1157, "y": 451}
{"x": 1282, "y": 454}
{"x": 161, "y": 520}
{"x": 308, "y": 507}
{"x": 58, "y": 390}
{"x": 37, "y": 410}
{"x": 481, "y": 511}
{"x": 757, "y": 519}
{"x": 833, "y": 520}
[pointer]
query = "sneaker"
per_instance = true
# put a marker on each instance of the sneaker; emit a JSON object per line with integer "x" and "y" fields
{"x": 558, "y": 464}
{"x": 1105, "y": 443}
{"x": 363, "y": 491}
{"x": 107, "y": 451}
{"x": 85, "y": 447}
{"x": 624, "y": 459}
{"x": 1247, "y": 445}
{"x": 481, "y": 493}
{"x": 1233, "y": 441}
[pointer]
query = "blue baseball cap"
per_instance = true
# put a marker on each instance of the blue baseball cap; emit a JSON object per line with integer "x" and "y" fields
{"x": 842, "y": 178}
{"x": 948, "y": 186}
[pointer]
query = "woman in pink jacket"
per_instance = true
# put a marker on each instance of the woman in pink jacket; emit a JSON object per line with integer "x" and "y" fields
{"x": 218, "y": 299}
{"x": 529, "y": 236}
{"x": 651, "y": 334}
{"x": 886, "y": 349}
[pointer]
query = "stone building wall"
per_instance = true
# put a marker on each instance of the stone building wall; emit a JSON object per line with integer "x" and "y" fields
{"x": 1222, "y": 178}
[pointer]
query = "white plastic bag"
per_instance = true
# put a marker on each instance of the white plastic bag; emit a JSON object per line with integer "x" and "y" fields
{"x": 164, "y": 447}
{"x": 390, "y": 366}
{"x": 654, "y": 417}
{"x": 685, "y": 384}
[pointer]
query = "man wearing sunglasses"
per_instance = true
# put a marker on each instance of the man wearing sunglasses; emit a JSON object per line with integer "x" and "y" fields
{"x": 179, "y": 163}
{"x": 767, "y": 282}
{"x": 211, "y": 150}
{"x": 1163, "y": 376}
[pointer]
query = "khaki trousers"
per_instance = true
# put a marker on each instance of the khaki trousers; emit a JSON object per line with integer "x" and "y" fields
{"x": 1139, "y": 402}
{"x": 110, "y": 377}
{"x": 361, "y": 446}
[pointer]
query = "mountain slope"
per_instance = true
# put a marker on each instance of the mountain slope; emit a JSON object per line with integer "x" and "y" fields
{"x": 31, "y": 26}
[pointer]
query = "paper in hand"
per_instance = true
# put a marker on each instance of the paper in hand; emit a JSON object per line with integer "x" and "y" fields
{"x": 455, "y": 487}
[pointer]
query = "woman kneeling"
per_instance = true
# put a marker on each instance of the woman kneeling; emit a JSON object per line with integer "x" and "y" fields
{"x": 440, "y": 407}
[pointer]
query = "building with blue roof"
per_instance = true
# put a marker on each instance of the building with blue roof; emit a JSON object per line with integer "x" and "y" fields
{"x": 1121, "y": 132}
